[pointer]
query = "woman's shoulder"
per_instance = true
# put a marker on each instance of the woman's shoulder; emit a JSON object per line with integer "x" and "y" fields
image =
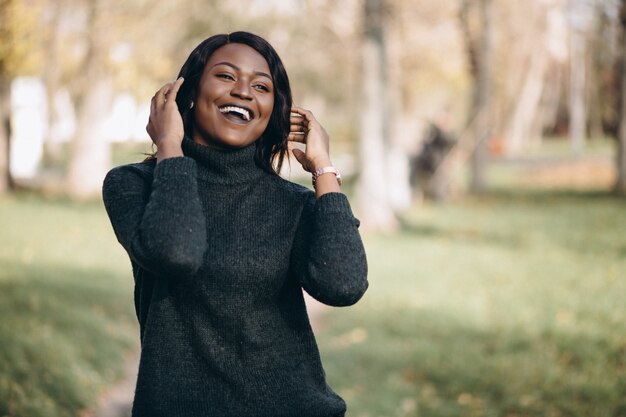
{"x": 129, "y": 175}
{"x": 290, "y": 187}
{"x": 142, "y": 169}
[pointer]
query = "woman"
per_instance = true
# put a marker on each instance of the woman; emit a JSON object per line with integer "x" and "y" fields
{"x": 221, "y": 246}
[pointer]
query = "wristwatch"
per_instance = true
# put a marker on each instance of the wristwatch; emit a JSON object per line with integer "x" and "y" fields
{"x": 324, "y": 170}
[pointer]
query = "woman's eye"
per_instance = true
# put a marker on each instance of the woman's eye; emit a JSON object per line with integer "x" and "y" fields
{"x": 261, "y": 87}
{"x": 226, "y": 76}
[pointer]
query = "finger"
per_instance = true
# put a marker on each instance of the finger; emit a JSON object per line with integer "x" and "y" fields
{"x": 297, "y": 128}
{"x": 163, "y": 90}
{"x": 302, "y": 112}
{"x": 309, "y": 119}
{"x": 157, "y": 101}
{"x": 299, "y": 112}
{"x": 296, "y": 137}
{"x": 298, "y": 120}
{"x": 162, "y": 93}
{"x": 299, "y": 155}
{"x": 173, "y": 91}
{"x": 150, "y": 130}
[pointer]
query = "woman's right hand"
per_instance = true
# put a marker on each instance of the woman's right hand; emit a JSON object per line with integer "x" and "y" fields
{"x": 165, "y": 124}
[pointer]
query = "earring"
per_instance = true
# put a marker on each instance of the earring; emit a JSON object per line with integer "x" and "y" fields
{"x": 191, "y": 105}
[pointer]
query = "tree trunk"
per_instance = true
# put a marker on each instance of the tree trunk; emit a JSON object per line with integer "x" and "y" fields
{"x": 595, "y": 99}
{"x": 375, "y": 208}
{"x": 521, "y": 124}
{"x": 577, "y": 111}
{"x": 620, "y": 185}
{"x": 90, "y": 153}
{"x": 479, "y": 49}
{"x": 53, "y": 151}
{"x": 5, "y": 135}
{"x": 549, "y": 106}
{"x": 402, "y": 125}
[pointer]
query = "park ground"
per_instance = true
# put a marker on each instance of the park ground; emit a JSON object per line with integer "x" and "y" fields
{"x": 511, "y": 304}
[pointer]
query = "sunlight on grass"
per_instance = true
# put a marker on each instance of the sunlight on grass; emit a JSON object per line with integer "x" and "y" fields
{"x": 510, "y": 305}
{"x": 66, "y": 306}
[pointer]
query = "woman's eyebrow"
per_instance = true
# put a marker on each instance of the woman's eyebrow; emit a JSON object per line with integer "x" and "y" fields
{"x": 260, "y": 73}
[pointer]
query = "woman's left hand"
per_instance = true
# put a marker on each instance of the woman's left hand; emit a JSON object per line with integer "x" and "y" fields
{"x": 306, "y": 129}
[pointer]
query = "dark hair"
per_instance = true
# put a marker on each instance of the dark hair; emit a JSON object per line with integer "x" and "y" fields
{"x": 271, "y": 147}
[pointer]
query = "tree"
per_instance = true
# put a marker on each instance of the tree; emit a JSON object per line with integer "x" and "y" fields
{"x": 477, "y": 25}
{"x": 51, "y": 75}
{"x": 16, "y": 44}
{"x": 90, "y": 153}
{"x": 579, "y": 18}
{"x": 5, "y": 131}
{"x": 528, "y": 98}
{"x": 148, "y": 63}
{"x": 620, "y": 186}
{"x": 375, "y": 209}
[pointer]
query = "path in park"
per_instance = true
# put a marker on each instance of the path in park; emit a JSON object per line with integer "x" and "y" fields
{"x": 117, "y": 401}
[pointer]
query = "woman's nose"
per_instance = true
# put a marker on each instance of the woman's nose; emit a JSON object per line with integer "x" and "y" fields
{"x": 241, "y": 89}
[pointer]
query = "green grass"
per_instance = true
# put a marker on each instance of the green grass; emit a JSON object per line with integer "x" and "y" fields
{"x": 66, "y": 306}
{"x": 511, "y": 305}
{"x": 557, "y": 147}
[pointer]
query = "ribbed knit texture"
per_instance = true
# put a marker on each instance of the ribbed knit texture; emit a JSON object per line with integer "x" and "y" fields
{"x": 220, "y": 251}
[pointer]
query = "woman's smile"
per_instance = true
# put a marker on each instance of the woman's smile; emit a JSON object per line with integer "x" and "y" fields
{"x": 235, "y": 98}
{"x": 237, "y": 114}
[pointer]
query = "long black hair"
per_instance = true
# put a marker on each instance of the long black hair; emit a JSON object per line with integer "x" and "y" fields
{"x": 271, "y": 147}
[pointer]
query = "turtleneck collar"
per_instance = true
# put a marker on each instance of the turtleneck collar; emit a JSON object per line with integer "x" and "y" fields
{"x": 223, "y": 166}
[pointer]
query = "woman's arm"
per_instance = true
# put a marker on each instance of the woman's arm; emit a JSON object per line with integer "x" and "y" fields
{"x": 160, "y": 224}
{"x": 328, "y": 254}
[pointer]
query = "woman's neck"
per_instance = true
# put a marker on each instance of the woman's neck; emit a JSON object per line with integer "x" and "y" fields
{"x": 226, "y": 166}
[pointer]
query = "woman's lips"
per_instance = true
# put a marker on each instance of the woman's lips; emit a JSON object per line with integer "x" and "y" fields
{"x": 234, "y": 118}
{"x": 241, "y": 112}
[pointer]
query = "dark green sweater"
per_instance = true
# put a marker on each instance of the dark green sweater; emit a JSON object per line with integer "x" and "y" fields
{"x": 220, "y": 251}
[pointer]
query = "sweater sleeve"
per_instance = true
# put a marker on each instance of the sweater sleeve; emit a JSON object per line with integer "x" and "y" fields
{"x": 328, "y": 256}
{"x": 161, "y": 225}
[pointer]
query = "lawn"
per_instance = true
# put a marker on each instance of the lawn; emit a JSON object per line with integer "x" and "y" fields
{"x": 509, "y": 305}
{"x": 65, "y": 303}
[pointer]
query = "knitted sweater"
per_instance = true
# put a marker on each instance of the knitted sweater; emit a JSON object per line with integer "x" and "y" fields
{"x": 220, "y": 251}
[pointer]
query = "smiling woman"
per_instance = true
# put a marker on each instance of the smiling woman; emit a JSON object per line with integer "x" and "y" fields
{"x": 221, "y": 246}
{"x": 264, "y": 69}
{"x": 234, "y": 102}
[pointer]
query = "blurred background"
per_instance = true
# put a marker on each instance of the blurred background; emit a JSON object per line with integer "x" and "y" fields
{"x": 483, "y": 144}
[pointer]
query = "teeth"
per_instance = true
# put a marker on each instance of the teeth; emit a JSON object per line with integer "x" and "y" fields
{"x": 245, "y": 113}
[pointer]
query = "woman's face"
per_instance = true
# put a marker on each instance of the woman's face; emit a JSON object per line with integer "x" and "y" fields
{"x": 235, "y": 98}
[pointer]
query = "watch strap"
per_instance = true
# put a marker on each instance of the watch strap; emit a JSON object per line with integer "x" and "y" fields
{"x": 324, "y": 170}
